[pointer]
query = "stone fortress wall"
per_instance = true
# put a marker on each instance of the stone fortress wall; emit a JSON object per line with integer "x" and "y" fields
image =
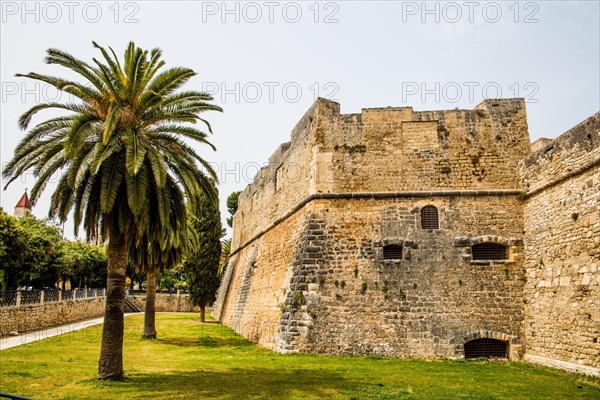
{"x": 308, "y": 271}
{"x": 562, "y": 249}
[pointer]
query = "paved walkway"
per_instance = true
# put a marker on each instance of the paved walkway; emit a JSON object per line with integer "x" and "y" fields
{"x": 67, "y": 330}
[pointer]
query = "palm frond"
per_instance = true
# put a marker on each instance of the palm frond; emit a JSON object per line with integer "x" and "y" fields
{"x": 123, "y": 150}
{"x": 135, "y": 152}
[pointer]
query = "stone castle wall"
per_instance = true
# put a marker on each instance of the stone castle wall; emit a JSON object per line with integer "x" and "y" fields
{"x": 306, "y": 272}
{"x": 258, "y": 281}
{"x": 279, "y": 186}
{"x": 562, "y": 250}
{"x": 398, "y": 149}
{"x": 385, "y": 150}
{"x": 344, "y": 298}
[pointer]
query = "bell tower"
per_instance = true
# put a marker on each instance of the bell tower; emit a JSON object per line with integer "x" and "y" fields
{"x": 23, "y": 207}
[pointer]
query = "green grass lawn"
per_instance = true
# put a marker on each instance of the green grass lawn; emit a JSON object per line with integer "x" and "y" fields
{"x": 190, "y": 360}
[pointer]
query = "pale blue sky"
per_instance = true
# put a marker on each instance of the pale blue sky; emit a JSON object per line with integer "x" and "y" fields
{"x": 277, "y": 56}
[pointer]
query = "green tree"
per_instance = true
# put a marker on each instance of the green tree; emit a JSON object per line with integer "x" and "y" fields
{"x": 135, "y": 275}
{"x": 42, "y": 254}
{"x": 126, "y": 168}
{"x": 12, "y": 248}
{"x": 154, "y": 257}
{"x": 202, "y": 267}
{"x": 232, "y": 206}
{"x": 167, "y": 279}
{"x": 31, "y": 252}
{"x": 85, "y": 264}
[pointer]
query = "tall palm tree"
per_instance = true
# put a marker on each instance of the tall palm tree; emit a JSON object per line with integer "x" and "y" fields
{"x": 122, "y": 152}
{"x": 153, "y": 257}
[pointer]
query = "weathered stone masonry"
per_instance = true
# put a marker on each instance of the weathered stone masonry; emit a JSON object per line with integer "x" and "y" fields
{"x": 562, "y": 252}
{"x": 27, "y": 318}
{"x": 41, "y": 316}
{"x": 309, "y": 271}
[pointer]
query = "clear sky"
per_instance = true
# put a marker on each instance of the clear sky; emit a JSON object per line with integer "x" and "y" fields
{"x": 266, "y": 62}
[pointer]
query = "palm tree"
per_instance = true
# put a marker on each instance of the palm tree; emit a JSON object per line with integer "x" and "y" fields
{"x": 121, "y": 152}
{"x": 153, "y": 257}
{"x": 225, "y": 250}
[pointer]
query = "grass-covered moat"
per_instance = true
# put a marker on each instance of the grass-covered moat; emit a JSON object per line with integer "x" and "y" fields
{"x": 190, "y": 360}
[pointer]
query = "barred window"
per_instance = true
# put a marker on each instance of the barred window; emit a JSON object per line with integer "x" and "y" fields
{"x": 392, "y": 252}
{"x": 485, "y": 347}
{"x": 489, "y": 251}
{"x": 429, "y": 218}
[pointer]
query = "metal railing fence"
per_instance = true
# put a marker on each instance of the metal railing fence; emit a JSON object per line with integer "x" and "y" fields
{"x": 17, "y": 298}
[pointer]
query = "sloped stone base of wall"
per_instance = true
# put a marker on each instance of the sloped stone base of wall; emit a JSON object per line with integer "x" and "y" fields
{"x": 567, "y": 366}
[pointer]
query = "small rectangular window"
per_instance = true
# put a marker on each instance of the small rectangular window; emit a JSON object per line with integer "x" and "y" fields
{"x": 392, "y": 252}
{"x": 489, "y": 252}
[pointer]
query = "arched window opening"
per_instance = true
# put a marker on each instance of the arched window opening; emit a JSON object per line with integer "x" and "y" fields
{"x": 429, "y": 218}
{"x": 489, "y": 252}
{"x": 485, "y": 347}
{"x": 392, "y": 252}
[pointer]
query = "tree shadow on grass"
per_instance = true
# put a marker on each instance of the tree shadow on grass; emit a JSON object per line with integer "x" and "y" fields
{"x": 206, "y": 341}
{"x": 236, "y": 383}
{"x": 212, "y": 336}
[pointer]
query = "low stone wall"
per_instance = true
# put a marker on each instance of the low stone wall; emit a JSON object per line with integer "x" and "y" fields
{"x": 167, "y": 303}
{"x": 40, "y": 316}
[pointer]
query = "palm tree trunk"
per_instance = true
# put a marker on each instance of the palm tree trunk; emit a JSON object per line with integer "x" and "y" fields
{"x": 202, "y": 312}
{"x": 150, "y": 311}
{"x": 110, "y": 365}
